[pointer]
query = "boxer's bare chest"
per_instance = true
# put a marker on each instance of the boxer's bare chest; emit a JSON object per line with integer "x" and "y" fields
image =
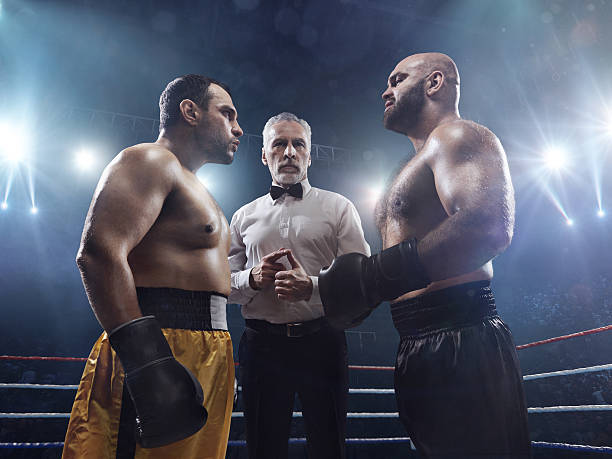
{"x": 190, "y": 218}
{"x": 410, "y": 206}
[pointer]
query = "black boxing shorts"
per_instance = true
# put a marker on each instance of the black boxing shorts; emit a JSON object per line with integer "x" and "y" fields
{"x": 457, "y": 378}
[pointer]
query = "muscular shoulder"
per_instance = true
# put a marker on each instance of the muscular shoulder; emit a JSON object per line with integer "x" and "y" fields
{"x": 148, "y": 157}
{"x": 462, "y": 139}
{"x": 145, "y": 167}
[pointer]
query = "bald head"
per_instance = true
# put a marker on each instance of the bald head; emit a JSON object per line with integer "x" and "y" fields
{"x": 422, "y": 86}
{"x": 426, "y": 63}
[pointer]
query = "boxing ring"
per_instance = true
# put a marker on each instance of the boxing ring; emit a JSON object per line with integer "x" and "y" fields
{"x": 605, "y": 450}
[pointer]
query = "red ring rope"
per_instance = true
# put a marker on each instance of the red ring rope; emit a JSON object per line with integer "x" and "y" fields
{"x": 353, "y": 367}
{"x": 564, "y": 337}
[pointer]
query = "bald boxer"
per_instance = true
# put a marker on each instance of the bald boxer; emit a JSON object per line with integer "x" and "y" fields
{"x": 447, "y": 213}
{"x": 153, "y": 258}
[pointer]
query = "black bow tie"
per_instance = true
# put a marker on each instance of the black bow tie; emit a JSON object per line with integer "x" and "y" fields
{"x": 294, "y": 190}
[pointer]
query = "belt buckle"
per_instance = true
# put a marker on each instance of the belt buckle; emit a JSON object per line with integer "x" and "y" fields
{"x": 294, "y": 326}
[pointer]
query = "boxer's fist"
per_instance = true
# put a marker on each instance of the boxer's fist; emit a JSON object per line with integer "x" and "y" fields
{"x": 355, "y": 284}
{"x": 344, "y": 291}
{"x": 167, "y": 397}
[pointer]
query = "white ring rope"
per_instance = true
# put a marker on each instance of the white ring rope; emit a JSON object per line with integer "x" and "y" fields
{"x": 574, "y": 371}
{"x": 568, "y": 372}
{"x": 371, "y": 391}
{"x": 298, "y": 414}
{"x": 568, "y": 446}
{"x": 38, "y": 386}
{"x": 569, "y": 408}
{"x": 536, "y": 444}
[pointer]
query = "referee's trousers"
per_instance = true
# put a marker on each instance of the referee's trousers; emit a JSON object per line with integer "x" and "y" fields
{"x": 273, "y": 368}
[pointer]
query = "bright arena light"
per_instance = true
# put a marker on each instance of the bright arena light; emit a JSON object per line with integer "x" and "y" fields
{"x": 375, "y": 192}
{"x": 34, "y": 210}
{"x": 204, "y": 181}
{"x": 608, "y": 121}
{"x": 206, "y": 178}
{"x": 555, "y": 158}
{"x": 14, "y": 143}
{"x": 85, "y": 160}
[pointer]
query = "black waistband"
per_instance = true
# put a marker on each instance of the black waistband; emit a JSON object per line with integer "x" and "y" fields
{"x": 180, "y": 309}
{"x": 453, "y": 307}
{"x": 291, "y": 330}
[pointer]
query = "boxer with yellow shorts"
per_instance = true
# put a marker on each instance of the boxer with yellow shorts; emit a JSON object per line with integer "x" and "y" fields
{"x": 153, "y": 258}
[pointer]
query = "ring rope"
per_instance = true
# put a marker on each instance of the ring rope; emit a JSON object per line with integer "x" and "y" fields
{"x": 370, "y": 367}
{"x": 49, "y": 444}
{"x": 569, "y": 408}
{"x": 352, "y": 367}
{"x": 34, "y": 357}
{"x": 371, "y": 391}
{"x": 564, "y": 337}
{"x": 574, "y": 371}
{"x": 38, "y": 386}
{"x": 33, "y": 415}
{"x": 302, "y": 440}
{"x": 567, "y": 446}
{"x": 298, "y": 414}
{"x": 536, "y": 444}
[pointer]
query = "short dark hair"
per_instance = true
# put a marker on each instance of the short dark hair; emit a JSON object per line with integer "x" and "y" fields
{"x": 193, "y": 87}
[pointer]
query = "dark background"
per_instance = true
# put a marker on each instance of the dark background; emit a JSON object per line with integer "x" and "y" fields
{"x": 88, "y": 74}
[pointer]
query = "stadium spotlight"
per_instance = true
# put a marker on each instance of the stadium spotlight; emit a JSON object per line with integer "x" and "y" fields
{"x": 204, "y": 181}
{"x": 34, "y": 210}
{"x": 608, "y": 120}
{"x": 555, "y": 158}
{"x": 375, "y": 192}
{"x": 14, "y": 144}
{"x": 84, "y": 160}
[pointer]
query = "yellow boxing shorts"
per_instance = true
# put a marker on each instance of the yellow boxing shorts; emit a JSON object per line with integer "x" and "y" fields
{"x": 102, "y": 421}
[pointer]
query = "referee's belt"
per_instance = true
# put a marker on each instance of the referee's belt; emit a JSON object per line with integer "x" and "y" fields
{"x": 292, "y": 330}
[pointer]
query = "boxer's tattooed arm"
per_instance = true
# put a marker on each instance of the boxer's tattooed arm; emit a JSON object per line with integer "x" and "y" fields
{"x": 126, "y": 203}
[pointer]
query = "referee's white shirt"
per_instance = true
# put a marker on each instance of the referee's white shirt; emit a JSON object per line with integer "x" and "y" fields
{"x": 319, "y": 227}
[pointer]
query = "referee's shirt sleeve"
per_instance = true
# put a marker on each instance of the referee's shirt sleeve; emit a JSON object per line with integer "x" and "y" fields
{"x": 350, "y": 232}
{"x": 350, "y": 239}
{"x": 241, "y": 292}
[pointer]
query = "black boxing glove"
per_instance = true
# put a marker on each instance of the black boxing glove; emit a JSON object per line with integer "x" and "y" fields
{"x": 355, "y": 284}
{"x": 167, "y": 397}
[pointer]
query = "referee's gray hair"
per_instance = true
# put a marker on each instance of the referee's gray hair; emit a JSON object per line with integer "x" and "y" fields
{"x": 286, "y": 116}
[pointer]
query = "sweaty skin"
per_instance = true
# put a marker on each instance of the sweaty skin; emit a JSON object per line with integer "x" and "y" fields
{"x": 455, "y": 195}
{"x": 152, "y": 223}
{"x": 187, "y": 245}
